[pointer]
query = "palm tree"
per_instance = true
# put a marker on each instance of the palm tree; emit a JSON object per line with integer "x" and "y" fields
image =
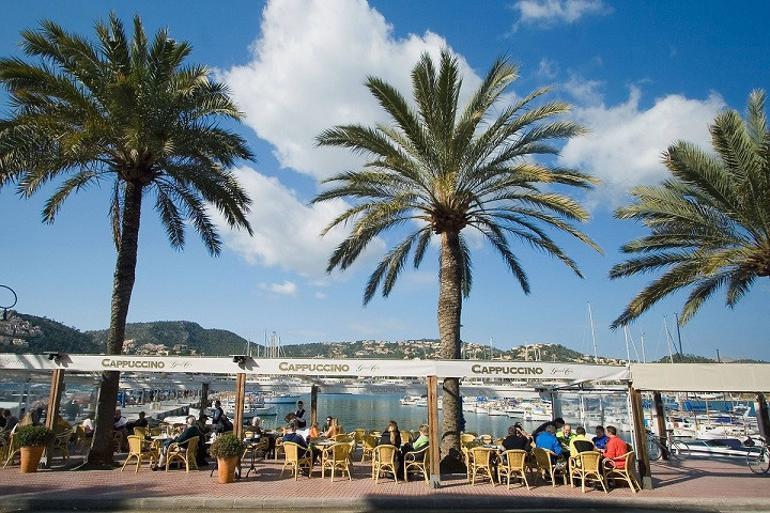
{"x": 128, "y": 113}
{"x": 442, "y": 170}
{"x": 710, "y": 223}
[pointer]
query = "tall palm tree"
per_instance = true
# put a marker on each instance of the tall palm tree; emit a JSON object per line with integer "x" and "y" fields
{"x": 133, "y": 115}
{"x": 710, "y": 223}
{"x": 443, "y": 170}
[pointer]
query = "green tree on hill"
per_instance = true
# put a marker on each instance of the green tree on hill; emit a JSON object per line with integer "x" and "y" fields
{"x": 132, "y": 114}
{"x": 447, "y": 170}
{"x": 709, "y": 224}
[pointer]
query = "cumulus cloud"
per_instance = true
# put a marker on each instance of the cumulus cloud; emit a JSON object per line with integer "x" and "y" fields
{"x": 286, "y": 230}
{"x": 626, "y": 141}
{"x": 286, "y": 288}
{"x": 547, "y": 13}
{"x": 307, "y": 72}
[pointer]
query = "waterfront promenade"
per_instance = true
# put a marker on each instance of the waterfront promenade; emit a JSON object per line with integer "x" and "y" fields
{"x": 694, "y": 485}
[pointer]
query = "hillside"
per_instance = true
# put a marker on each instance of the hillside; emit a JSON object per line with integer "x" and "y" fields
{"x": 176, "y": 337}
{"x": 24, "y": 333}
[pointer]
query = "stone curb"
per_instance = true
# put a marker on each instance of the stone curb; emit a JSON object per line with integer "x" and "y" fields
{"x": 423, "y": 504}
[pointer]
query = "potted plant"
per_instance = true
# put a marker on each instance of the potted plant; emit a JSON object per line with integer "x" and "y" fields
{"x": 227, "y": 449}
{"x": 32, "y": 440}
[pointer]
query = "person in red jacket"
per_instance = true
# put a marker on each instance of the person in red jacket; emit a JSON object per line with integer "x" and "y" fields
{"x": 616, "y": 447}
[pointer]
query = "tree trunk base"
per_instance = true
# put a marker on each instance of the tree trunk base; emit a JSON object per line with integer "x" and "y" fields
{"x": 453, "y": 463}
{"x": 97, "y": 466}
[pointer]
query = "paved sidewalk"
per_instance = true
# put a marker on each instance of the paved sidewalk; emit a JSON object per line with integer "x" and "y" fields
{"x": 695, "y": 485}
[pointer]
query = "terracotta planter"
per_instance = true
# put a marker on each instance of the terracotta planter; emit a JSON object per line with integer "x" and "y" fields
{"x": 226, "y": 469}
{"x": 30, "y": 458}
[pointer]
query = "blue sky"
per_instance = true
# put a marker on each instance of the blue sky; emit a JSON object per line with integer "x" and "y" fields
{"x": 640, "y": 74}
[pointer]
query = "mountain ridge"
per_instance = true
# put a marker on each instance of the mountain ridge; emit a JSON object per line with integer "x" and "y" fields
{"x": 188, "y": 338}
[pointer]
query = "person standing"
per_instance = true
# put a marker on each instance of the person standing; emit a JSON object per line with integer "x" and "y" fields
{"x": 299, "y": 415}
{"x": 219, "y": 420}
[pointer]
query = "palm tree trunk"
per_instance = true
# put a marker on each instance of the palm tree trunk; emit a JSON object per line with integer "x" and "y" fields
{"x": 449, "y": 310}
{"x": 123, "y": 285}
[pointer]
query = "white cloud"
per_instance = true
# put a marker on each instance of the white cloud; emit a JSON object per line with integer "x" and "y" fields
{"x": 286, "y": 288}
{"x": 286, "y": 230}
{"x": 585, "y": 92}
{"x": 307, "y": 72}
{"x": 548, "y": 13}
{"x": 320, "y": 295}
{"x": 626, "y": 142}
{"x": 547, "y": 69}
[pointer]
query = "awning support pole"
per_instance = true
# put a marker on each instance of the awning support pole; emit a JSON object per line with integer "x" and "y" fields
{"x": 204, "y": 402}
{"x": 240, "y": 399}
{"x": 640, "y": 438}
{"x": 313, "y": 404}
{"x": 660, "y": 412}
{"x": 434, "y": 436}
{"x": 54, "y": 401}
{"x": 763, "y": 419}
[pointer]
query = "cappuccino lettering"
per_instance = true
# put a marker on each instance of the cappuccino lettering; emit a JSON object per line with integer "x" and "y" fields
{"x": 132, "y": 364}
{"x": 500, "y": 369}
{"x": 319, "y": 368}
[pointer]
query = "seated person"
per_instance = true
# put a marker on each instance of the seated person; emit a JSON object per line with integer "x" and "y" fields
{"x": 119, "y": 423}
{"x": 517, "y": 439}
{"x": 565, "y": 436}
{"x": 191, "y": 431}
{"x": 580, "y": 442}
{"x": 616, "y": 447}
{"x": 556, "y": 423}
{"x": 141, "y": 422}
{"x": 330, "y": 429}
{"x": 314, "y": 431}
{"x": 88, "y": 426}
{"x": 256, "y": 426}
{"x": 419, "y": 444}
{"x": 391, "y": 435}
{"x": 293, "y": 436}
{"x": 601, "y": 439}
{"x": 547, "y": 440}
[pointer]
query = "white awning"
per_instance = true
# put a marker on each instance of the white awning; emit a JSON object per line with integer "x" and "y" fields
{"x": 543, "y": 372}
{"x": 701, "y": 377}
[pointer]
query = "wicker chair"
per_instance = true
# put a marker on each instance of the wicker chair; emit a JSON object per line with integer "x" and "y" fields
{"x": 296, "y": 457}
{"x": 183, "y": 454}
{"x": 481, "y": 462}
{"x": 358, "y": 436}
{"x": 545, "y": 466}
{"x": 626, "y": 473}
{"x": 513, "y": 463}
{"x": 278, "y": 449}
{"x": 137, "y": 449}
{"x": 337, "y": 457}
{"x": 467, "y": 439}
{"x": 367, "y": 446}
{"x": 417, "y": 461}
{"x": 586, "y": 465}
{"x": 141, "y": 432}
{"x": 12, "y": 450}
{"x": 61, "y": 444}
{"x": 384, "y": 459}
{"x": 406, "y": 437}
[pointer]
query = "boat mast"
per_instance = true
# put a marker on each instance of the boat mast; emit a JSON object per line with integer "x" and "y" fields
{"x": 641, "y": 341}
{"x": 669, "y": 339}
{"x": 628, "y": 350}
{"x": 593, "y": 331}
{"x": 679, "y": 335}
